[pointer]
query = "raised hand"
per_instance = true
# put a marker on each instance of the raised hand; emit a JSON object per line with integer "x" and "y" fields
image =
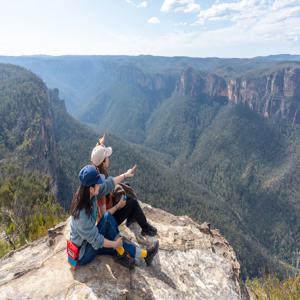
{"x": 101, "y": 140}
{"x": 131, "y": 172}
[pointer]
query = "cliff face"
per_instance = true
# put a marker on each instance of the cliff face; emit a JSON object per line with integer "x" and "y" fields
{"x": 44, "y": 149}
{"x": 158, "y": 83}
{"x": 275, "y": 94}
{"x": 194, "y": 262}
{"x": 27, "y": 132}
{"x": 195, "y": 84}
{"x": 35, "y": 131}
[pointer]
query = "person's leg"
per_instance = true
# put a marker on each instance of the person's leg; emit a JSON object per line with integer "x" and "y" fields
{"x": 90, "y": 253}
{"x": 124, "y": 213}
{"x": 132, "y": 210}
{"x": 108, "y": 232}
{"x": 109, "y": 228}
{"x": 138, "y": 213}
{"x": 131, "y": 249}
{"x": 136, "y": 252}
{"x": 112, "y": 232}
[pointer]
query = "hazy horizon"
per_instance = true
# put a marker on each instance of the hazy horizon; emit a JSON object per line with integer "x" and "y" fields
{"x": 137, "y": 55}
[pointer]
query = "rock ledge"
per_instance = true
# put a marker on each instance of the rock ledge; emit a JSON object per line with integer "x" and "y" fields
{"x": 194, "y": 262}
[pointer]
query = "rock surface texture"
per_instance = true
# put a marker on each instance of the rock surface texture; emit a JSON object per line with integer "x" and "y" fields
{"x": 193, "y": 262}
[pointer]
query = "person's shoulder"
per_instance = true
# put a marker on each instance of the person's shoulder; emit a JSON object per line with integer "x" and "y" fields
{"x": 109, "y": 182}
{"x": 82, "y": 215}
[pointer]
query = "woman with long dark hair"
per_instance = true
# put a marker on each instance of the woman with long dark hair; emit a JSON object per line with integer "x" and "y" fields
{"x": 103, "y": 238}
{"x": 130, "y": 208}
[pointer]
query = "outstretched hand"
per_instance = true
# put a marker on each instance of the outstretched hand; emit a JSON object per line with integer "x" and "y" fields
{"x": 131, "y": 172}
{"x": 101, "y": 140}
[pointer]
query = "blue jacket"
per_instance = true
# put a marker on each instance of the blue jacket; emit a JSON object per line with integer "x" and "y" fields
{"x": 84, "y": 229}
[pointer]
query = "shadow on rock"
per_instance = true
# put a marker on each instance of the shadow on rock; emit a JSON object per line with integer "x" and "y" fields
{"x": 108, "y": 280}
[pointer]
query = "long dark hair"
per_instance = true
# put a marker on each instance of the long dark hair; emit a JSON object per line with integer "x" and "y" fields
{"x": 81, "y": 200}
{"x": 102, "y": 169}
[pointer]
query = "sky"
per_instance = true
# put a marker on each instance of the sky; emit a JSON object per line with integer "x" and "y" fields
{"x": 198, "y": 28}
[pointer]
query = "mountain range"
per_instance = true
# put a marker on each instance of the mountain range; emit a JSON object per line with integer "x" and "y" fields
{"x": 217, "y": 139}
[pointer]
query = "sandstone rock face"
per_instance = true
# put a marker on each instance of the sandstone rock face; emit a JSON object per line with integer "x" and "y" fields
{"x": 193, "y": 262}
{"x": 191, "y": 83}
{"x": 195, "y": 84}
{"x": 276, "y": 94}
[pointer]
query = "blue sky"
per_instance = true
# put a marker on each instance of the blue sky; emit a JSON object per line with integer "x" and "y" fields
{"x": 227, "y": 28}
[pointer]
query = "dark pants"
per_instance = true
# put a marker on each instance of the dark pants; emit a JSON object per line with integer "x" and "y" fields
{"x": 109, "y": 229}
{"x": 132, "y": 212}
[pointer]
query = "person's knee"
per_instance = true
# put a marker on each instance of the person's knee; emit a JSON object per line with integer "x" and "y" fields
{"x": 110, "y": 219}
{"x": 106, "y": 218}
{"x": 85, "y": 261}
{"x": 131, "y": 202}
{"x": 107, "y": 215}
{"x": 88, "y": 256}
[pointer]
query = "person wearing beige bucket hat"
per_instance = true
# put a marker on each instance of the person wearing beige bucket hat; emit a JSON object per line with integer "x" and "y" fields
{"x": 128, "y": 207}
{"x": 100, "y": 153}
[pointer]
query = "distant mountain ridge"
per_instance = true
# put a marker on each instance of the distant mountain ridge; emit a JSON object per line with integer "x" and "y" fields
{"x": 119, "y": 94}
{"x": 81, "y": 79}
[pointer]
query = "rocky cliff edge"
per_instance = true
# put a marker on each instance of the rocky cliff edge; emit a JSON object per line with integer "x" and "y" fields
{"x": 194, "y": 262}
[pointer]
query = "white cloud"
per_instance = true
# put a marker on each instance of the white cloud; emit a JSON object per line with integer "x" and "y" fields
{"x": 233, "y": 11}
{"x": 143, "y": 4}
{"x": 278, "y": 4}
{"x": 250, "y": 9}
{"x": 154, "y": 20}
{"x": 252, "y": 28}
{"x": 139, "y": 4}
{"x": 273, "y": 20}
{"x": 186, "y": 6}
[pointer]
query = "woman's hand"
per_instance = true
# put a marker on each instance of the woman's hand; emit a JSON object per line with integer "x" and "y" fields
{"x": 118, "y": 242}
{"x": 131, "y": 172}
{"x": 101, "y": 140}
{"x": 128, "y": 174}
{"x": 121, "y": 203}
